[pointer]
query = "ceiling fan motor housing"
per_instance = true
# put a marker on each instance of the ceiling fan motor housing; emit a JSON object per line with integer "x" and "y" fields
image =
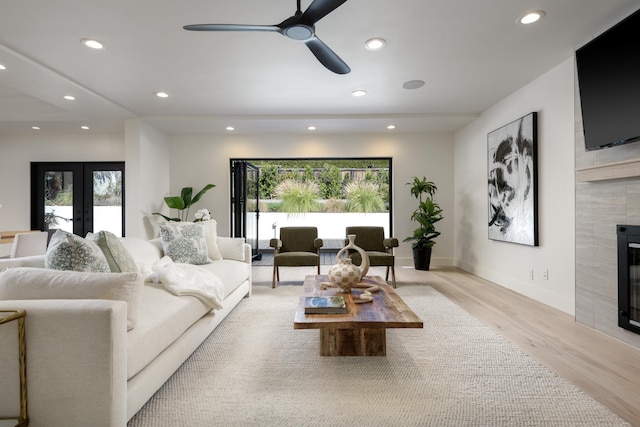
{"x": 299, "y": 32}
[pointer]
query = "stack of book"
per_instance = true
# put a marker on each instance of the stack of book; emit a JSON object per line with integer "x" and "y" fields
{"x": 325, "y": 305}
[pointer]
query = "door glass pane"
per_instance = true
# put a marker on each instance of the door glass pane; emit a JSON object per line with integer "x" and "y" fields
{"x": 58, "y": 200}
{"x": 251, "y": 226}
{"x": 107, "y": 201}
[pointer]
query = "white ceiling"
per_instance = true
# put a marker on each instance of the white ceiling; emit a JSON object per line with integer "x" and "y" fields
{"x": 470, "y": 53}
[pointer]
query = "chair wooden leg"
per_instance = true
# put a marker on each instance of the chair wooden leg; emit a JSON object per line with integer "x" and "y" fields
{"x": 273, "y": 279}
{"x": 318, "y": 268}
{"x": 393, "y": 276}
{"x": 387, "y": 276}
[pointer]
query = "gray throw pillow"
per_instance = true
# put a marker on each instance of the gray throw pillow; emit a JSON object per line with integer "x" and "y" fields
{"x": 184, "y": 242}
{"x": 67, "y": 251}
{"x": 118, "y": 258}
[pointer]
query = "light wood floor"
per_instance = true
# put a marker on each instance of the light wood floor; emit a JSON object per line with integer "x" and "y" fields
{"x": 605, "y": 368}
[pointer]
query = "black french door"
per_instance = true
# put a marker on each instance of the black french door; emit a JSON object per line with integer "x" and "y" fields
{"x": 78, "y": 197}
{"x": 245, "y": 212}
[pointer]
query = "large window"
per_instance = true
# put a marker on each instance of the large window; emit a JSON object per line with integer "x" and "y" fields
{"x": 330, "y": 193}
{"x": 78, "y": 197}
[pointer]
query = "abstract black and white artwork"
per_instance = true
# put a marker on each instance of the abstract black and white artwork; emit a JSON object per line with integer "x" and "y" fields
{"x": 512, "y": 176}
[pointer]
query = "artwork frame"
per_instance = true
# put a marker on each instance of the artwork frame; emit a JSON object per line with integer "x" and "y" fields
{"x": 512, "y": 175}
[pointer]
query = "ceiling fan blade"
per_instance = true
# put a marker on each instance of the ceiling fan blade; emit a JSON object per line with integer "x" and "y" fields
{"x": 326, "y": 56}
{"x": 231, "y": 27}
{"x": 319, "y": 9}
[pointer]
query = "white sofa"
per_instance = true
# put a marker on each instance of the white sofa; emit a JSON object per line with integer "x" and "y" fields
{"x": 84, "y": 367}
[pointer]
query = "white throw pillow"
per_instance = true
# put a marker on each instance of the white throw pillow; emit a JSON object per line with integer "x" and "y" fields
{"x": 211, "y": 236}
{"x": 184, "y": 243}
{"x": 67, "y": 251}
{"x": 39, "y": 283}
{"x": 231, "y": 248}
{"x": 144, "y": 252}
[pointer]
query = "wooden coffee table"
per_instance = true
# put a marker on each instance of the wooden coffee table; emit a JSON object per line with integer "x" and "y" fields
{"x": 362, "y": 330}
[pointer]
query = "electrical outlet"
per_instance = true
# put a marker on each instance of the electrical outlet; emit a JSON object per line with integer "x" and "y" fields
{"x": 545, "y": 275}
{"x": 531, "y": 274}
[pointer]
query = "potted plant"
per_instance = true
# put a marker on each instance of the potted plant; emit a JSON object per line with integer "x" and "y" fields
{"x": 183, "y": 202}
{"x": 426, "y": 215}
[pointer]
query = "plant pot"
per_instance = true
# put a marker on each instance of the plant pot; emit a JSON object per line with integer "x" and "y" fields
{"x": 421, "y": 258}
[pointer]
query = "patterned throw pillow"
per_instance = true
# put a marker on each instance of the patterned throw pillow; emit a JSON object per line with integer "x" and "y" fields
{"x": 184, "y": 242}
{"x": 118, "y": 258}
{"x": 67, "y": 251}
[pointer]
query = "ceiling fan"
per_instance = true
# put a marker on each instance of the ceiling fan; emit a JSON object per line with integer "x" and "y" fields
{"x": 300, "y": 26}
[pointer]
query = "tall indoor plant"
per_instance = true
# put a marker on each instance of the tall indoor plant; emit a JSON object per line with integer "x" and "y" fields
{"x": 426, "y": 215}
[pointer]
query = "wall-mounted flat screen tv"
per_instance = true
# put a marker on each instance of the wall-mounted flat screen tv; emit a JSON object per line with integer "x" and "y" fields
{"x": 609, "y": 82}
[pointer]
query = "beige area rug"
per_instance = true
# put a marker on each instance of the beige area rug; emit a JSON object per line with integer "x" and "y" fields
{"x": 256, "y": 370}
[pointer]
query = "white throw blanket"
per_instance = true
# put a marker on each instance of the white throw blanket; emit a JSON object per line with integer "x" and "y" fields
{"x": 188, "y": 279}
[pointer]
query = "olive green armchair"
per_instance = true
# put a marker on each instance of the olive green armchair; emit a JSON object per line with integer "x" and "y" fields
{"x": 296, "y": 247}
{"x": 378, "y": 249}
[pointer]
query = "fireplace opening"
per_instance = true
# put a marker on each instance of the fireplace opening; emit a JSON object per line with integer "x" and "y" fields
{"x": 629, "y": 277}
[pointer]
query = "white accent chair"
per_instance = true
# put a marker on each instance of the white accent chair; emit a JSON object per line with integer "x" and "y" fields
{"x": 29, "y": 244}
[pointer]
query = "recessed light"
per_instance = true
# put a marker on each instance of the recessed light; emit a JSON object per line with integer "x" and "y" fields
{"x": 93, "y": 44}
{"x": 375, "y": 43}
{"x": 230, "y": 128}
{"x": 162, "y": 94}
{"x": 84, "y": 127}
{"x": 311, "y": 128}
{"x": 2, "y": 67}
{"x": 35, "y": 127}
{"x": 359, "y": 92}
{"x": 69, "y": 97}
{"x": 531, "y": 17}
{"x": 391, "y": 127}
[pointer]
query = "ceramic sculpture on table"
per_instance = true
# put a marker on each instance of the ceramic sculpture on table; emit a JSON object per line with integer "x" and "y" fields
{"x": 344, "y": 274}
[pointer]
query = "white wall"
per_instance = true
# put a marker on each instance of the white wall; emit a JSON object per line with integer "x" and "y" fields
{"x": 507, "y": 264}
{"x": 158, "y": 165}
{"x": 197, "y": 160}
{"x": 147, "y": 177}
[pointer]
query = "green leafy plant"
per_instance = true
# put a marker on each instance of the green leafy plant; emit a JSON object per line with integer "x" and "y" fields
{"x": 330, "y": 181}
{"x": 183, "y": 202}
{"x": 363, "y": 196}
{"x": 426, "y": 215}
{"x": 298, "y": 197}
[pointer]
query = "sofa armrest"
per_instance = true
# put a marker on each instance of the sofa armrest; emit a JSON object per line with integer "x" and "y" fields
{"x": 76, "y": 362}
{"x": 36, "y": 261}
{"x": 247, "y": 253}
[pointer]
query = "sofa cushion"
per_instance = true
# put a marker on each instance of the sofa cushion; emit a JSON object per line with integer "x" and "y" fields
{"x": 184, "y": 242}
{"x": 145, "y": 252}
{"x": 231, "y": 248}
{"x": 117, "y": 256}
{"x": 231, "y": 273}
{"x": 163, "y": 318}
{"x": 38, "y": 283}
{"x": 67, "y": 251}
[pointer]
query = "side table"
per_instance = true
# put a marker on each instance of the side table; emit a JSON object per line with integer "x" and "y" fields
{"x": 6, "y": 317}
